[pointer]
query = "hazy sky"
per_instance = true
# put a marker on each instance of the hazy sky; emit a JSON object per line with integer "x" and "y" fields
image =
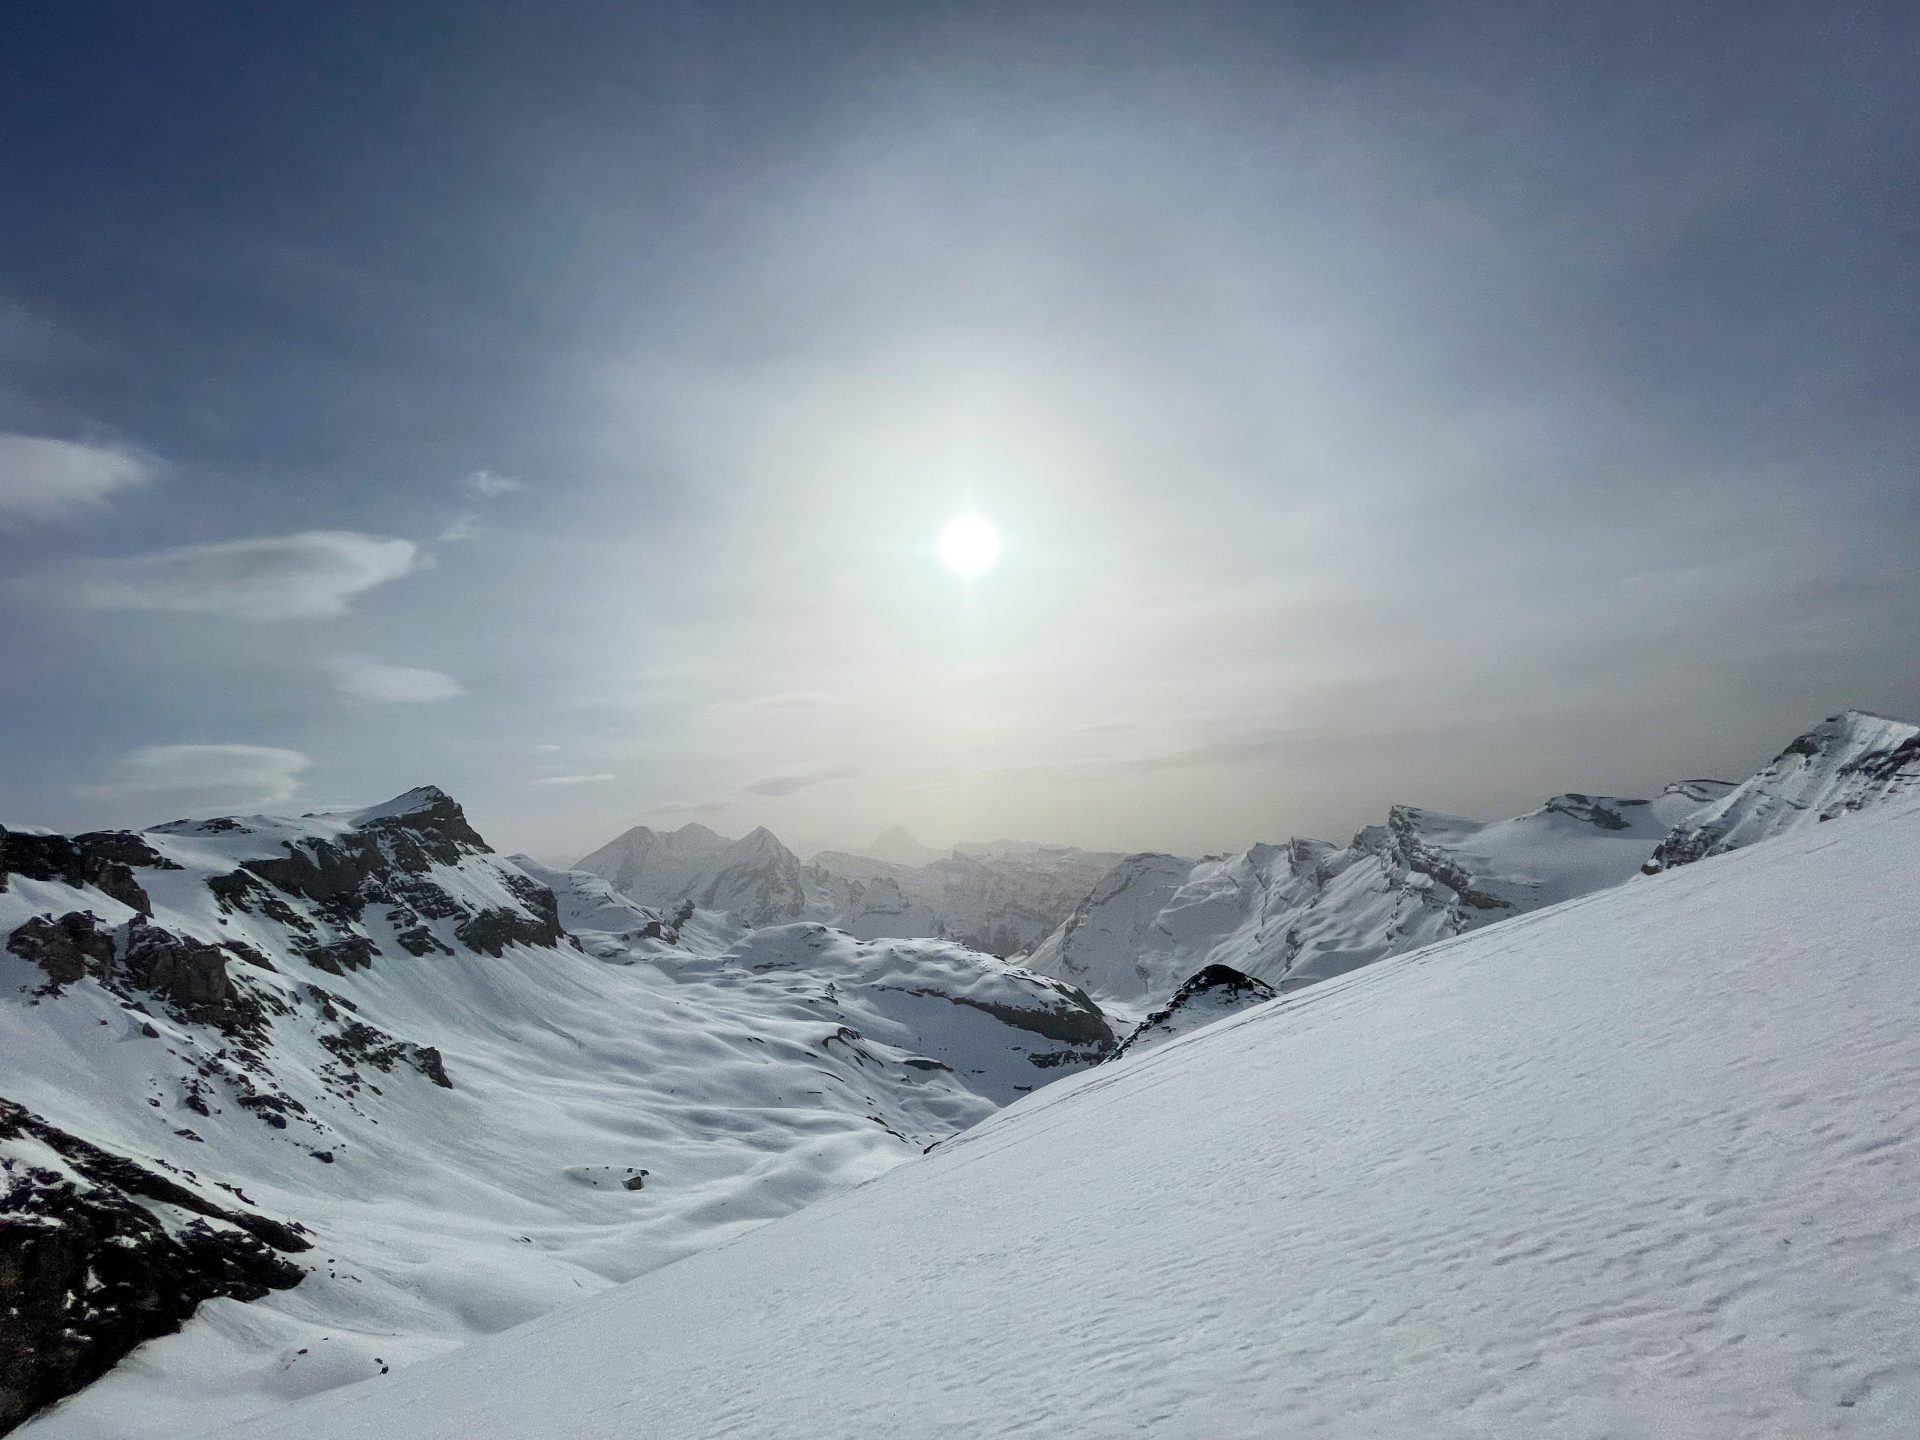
{"x": 559, "y": 403}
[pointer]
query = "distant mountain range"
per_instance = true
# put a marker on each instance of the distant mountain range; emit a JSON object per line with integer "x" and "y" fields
{"x": 1001, "y": 898}
{"x": 397, "y": 1091}
{"x": 1293, "y": 913}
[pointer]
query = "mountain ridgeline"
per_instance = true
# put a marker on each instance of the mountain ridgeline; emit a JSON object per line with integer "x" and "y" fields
{"x": 396, "y": 1091}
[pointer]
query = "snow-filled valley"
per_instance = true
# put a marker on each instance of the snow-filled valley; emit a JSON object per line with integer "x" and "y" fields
{"x": 337, "y": 1097}
{"x": 1643, "y": 1164}
{"x": 367, "y": 1025}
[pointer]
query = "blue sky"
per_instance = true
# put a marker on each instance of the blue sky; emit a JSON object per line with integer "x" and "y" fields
{"x": 1442, "y": 404}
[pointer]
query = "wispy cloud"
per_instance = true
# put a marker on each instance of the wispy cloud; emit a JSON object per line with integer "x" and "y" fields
{"x": 574, "y": 779}
{"x": 790, "y": 700}
{"x": 43, "y": 479}
{"x": 546, "y": 749}
{"x": 206, "y": 777}
{"x": 482, "y": 486}
{"x": 767, "y": 787}
{"x": 787, "y": 782}
{"x": 486, "y": 485}
{"x": 286, "y": 577}
{"x": 396, "y": 684}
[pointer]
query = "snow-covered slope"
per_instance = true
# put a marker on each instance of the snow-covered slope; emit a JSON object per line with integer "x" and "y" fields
{"x": 1644, "y": 1164}
{"x": 999, "y": 899}
{"x": 1296, "y": 913}
{"x": 1852, "y": 760}
{"x": 365, "y": 1033}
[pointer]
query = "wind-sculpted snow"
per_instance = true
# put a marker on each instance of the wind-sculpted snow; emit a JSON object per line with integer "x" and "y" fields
{"x": 367, "y": 1024}
{"x": 1851, "y": 761}
{"x": 1642, "y": 1164}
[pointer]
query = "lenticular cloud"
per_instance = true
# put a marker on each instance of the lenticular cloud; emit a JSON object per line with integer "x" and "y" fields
{"x": 285, "y": 577}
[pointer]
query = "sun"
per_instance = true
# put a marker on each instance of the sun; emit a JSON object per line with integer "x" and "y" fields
{"x": 969, "y": 545}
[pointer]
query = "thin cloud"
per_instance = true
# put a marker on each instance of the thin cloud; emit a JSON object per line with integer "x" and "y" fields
{"x": 574, "y": 779}
{"x": 392, "y": 684}
{"x": 206, "y": 777}
{"x": 791, "y": 700}
{"x": 481, "y": 485}
{"x": 790, "y": 781}
{"x": 43, "y": 479}
{"x": 486, "y": 485}
{"x": 546, "y": 749}
{"x": 312, "y": 574}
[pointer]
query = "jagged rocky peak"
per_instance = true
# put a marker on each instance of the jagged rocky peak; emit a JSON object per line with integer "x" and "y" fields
{"x": 427, "y": 810}
{"x": 1848, "y": 762}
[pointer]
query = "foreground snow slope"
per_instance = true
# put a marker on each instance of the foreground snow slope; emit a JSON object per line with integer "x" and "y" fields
{"x": 1646, "y": 1163}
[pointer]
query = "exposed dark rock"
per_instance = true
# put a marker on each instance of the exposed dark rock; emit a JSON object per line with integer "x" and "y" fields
{"x": 1576, "y": 806}
{"x": 188, "y": 973}
{"x": 87, "y": 1273}
{"x": 491, "y": 931}
{"x": 418, "y": 940}
{"x": 67, "y": 949}
{"x": 1403, "y": 826}
{"x": 336, "y": 957}
{"x": 359, "y": 1043}
{"x": 101, "y": 859}
{"x": 1215, "y": 991}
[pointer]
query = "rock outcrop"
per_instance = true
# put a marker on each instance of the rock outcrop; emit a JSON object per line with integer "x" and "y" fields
{"x": 99, "y": 1252}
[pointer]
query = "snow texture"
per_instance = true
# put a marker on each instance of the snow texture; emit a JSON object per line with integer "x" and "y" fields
{"x": 1642, "y": 1164}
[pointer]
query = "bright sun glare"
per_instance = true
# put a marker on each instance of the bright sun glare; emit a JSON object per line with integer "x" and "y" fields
{"x": 968, "y": 545}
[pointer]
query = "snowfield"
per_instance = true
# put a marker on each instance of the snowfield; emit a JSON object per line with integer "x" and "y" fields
{"x": 1646, "y": 1163}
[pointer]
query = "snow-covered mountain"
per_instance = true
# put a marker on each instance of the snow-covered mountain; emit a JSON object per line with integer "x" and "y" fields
{"x": 755, "y": 879}
{"x": 1643, "y": 1164}
{"x": 1298, "y": 912}
{"x": 1295, "y": 913}
{"x": 1852, "y": 760}
{"x": 999, "y": 899}
{"x": 895, "y": 846}
{"x": 358, "y": 1054}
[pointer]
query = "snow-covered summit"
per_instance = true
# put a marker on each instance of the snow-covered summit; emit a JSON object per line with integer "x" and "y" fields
{"x": 1849, "y": 761}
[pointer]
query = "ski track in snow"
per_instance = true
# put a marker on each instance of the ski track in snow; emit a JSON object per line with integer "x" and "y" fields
{"x": 1645, "y": 1164}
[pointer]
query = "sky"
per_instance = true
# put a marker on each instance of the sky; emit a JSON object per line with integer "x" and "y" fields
{"x": 1441, "y": 404}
